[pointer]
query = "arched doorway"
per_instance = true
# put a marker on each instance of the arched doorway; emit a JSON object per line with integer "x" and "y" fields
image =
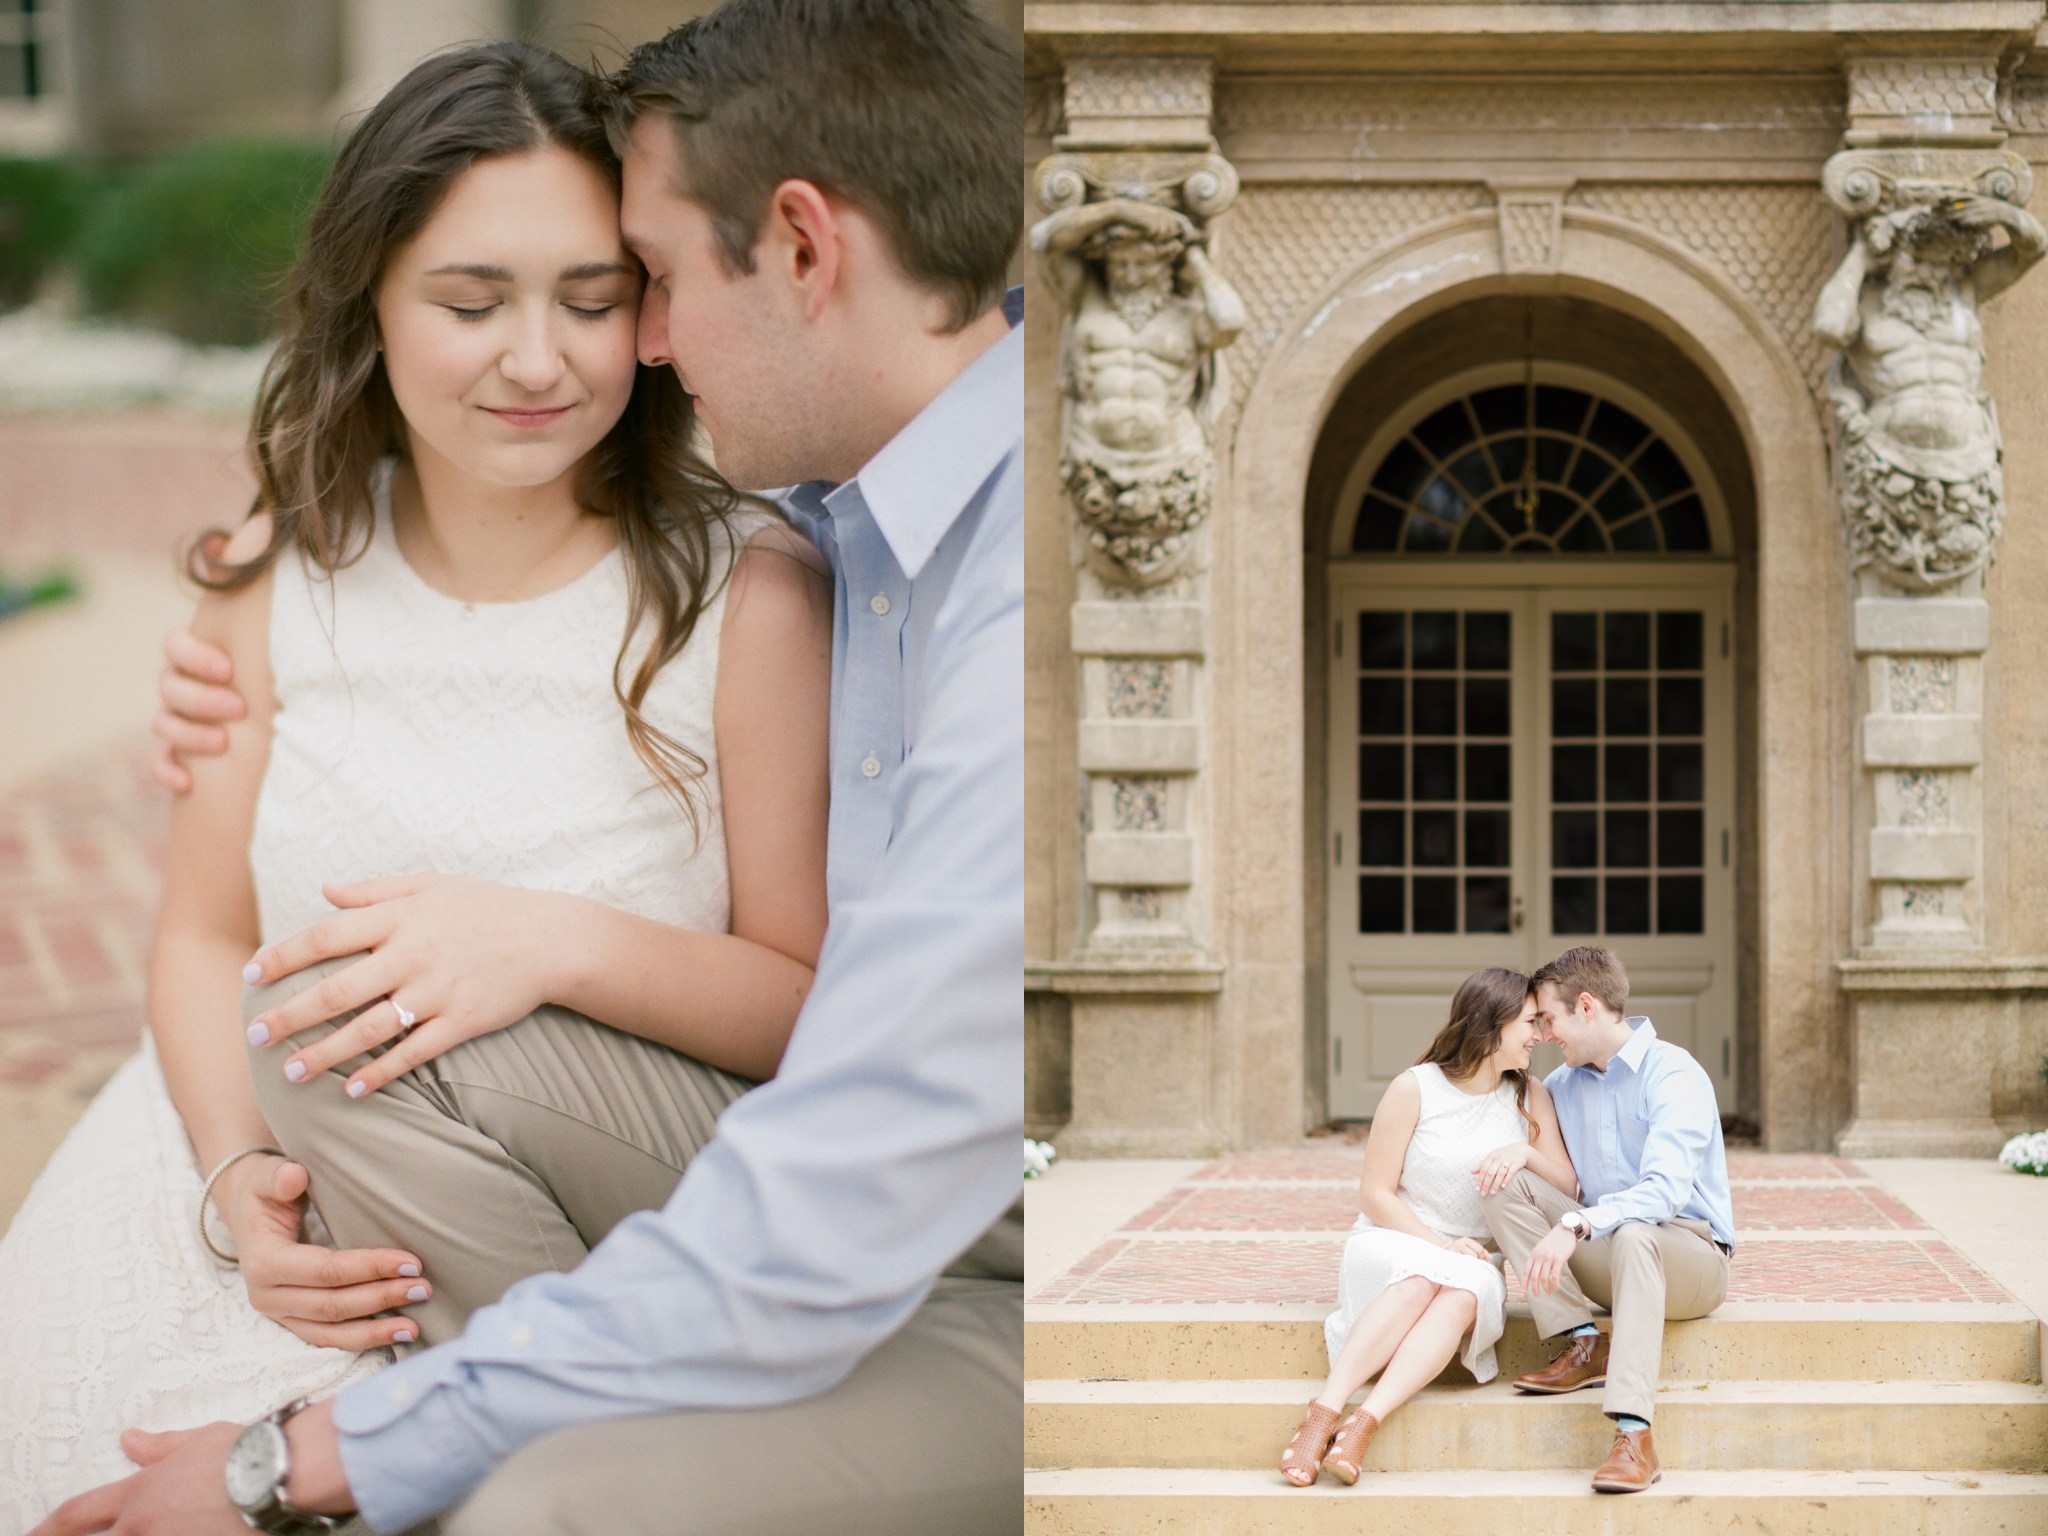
{"x": 1531, "y": 707}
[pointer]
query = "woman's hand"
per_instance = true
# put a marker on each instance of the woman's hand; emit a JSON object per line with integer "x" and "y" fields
{"x": 326, "y": 1296}
{"x": 1472, "y": 1248}
{"x": 463, "y": 957}
{"x": 1500, "y": 1165}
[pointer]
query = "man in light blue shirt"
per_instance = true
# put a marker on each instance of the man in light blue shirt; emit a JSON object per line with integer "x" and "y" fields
{"x": 1650, "y": 1237}
{"x": 822, "y": 1329}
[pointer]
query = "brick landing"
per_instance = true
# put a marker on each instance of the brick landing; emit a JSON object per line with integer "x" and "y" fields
{"x": 1267, "y": 1228}
{"x": 81, "y": 861}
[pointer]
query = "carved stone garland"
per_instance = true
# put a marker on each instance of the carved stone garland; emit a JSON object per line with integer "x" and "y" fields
{"x": 1123, "y": 246}
{"x": 1917, "y": 471}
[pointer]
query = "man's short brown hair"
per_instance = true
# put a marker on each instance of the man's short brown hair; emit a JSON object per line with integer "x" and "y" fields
{"x": 911, "y": 110}
{"x": 1587, "y": 968}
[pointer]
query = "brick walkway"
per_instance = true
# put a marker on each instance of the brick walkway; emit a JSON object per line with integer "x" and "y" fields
{"x": 1260, "y": 1228}
{"x": 81, "y": 859}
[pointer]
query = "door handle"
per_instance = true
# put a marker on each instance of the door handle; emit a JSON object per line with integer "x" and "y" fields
{"x": 1517, "y": 918}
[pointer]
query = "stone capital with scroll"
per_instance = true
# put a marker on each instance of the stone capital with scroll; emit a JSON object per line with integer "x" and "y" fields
{"x": 1917, "y": 461}
{"x": 1145, "y": 313}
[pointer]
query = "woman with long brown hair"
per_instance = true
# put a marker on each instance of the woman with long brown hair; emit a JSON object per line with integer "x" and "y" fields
{"x": 1418, "y": 1276}
{"x": 518, "y": 663}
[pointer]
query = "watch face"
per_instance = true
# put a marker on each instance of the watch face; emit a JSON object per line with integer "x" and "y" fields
{"x": 256, "y": 1465}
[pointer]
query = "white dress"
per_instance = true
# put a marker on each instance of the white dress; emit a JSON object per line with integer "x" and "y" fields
{"x": 415, "y": 732}
{"x": 1454, "y": 1131}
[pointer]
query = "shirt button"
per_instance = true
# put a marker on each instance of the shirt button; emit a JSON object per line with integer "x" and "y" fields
{"x": 399, "y": 1394}
{"x": 880, "y": 603}
{"x": 870, "y": 766}
{"x": 521, "y": 1334}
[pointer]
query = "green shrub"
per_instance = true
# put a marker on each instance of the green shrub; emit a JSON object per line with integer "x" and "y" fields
{"x": 41, "y": 205}
{"x": 196, "y": 243}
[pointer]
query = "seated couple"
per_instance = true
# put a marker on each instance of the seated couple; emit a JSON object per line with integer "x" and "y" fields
{"x": 1604, "y": 1184}
{"x": 569, "y": 729}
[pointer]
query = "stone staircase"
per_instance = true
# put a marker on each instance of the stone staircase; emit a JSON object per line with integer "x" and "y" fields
{"x": 1793, "y": 1418}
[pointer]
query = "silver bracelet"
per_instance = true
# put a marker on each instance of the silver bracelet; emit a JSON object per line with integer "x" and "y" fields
{"x": 206, "y": 1195}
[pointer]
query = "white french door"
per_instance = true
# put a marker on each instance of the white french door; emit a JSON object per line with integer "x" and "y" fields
{"x": 1518, "y": 766}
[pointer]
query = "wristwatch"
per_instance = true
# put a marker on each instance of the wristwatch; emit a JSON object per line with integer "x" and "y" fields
{"x": 258, "y": 1465}
{"x": 1575, "y": 1223}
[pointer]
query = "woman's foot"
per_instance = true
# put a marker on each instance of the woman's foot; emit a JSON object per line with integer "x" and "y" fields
{"x": 1303, "y": 1458}
{"x": 1346, "y": 1455}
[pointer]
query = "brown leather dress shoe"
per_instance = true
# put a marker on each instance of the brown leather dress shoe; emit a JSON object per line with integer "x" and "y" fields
{"x": 1583, "y": 1364}
{"x": 1631, "y": 1466}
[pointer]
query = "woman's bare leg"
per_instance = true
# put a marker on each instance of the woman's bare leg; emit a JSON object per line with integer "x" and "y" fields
{"x": 1425, "y": 1350}
{"x": 1375, "y": 1337}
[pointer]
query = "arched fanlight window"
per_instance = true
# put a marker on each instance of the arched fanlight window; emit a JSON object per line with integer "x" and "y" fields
{"x": 1531, "y": 468}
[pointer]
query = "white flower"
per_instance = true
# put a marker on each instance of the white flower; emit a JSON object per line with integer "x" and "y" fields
{"x": 2026, "y": 1154}
{"x": 1038, "y": 1156}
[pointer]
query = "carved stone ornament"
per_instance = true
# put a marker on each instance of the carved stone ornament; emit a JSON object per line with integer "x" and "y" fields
{"x": 1123, "y": 247}
{"x": 1917, "y": 452}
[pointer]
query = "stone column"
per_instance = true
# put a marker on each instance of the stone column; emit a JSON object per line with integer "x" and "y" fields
{"x": 1937, "y": 226}
{"x": 1123, "y": 246}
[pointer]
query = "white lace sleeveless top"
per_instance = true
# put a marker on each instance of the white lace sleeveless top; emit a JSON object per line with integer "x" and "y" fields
{"x": 1453, "y": 1132}
{"x": 417, "y": 732}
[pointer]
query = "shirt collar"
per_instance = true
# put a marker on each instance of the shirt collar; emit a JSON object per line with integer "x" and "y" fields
{"x": 1641, "y": 1034}
{"x": 927, "y": 473}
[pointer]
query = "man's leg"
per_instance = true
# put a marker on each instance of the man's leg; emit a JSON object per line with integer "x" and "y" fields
{"x": 925, "y": 1438}
{"x": 510, "y": 1154}
{"x": 1519, "y": 1214}
{"x": 1644, "y": 1273}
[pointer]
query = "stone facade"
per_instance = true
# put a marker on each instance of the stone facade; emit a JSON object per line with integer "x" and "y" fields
{"x": 1695, "y": 204}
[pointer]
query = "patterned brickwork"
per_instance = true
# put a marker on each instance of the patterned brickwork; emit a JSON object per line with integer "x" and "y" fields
{"x": 1775, "y": 243}
{"x": 1285, "y": 245}
{"x": 1266, "y": 1228}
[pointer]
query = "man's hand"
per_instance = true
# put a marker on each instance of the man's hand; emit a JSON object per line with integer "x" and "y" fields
{"x": 198, "y": 701}
{"x": 1500, "y": 1165}
{"x": 182, "y": 1489}
{"x": 328, "y": 1298}
{"x": 463, "y": 956}
{"x": 1547, "y": 1261}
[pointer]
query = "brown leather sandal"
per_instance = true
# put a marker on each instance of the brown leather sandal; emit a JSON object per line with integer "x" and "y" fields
{"x": 1302, "y": 1461}
{"x": 1346, "y": 1455}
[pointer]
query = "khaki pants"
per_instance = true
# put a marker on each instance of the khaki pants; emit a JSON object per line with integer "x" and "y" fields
{"x": 1641, "y": 1272}
{"x": 925, "y": 1438}
{"x": 515, "y": 1153}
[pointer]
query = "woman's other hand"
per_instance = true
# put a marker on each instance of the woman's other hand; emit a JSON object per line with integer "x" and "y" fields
{"x": 1500, "y": 1165}
{"x": 462, "y": 957}
{"x": 1472, "y": 1248}
{"x": 328, "y": 1297}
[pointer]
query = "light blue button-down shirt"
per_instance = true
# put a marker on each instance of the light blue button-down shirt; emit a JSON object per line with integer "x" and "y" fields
{"x": 1645, "y": 1136}
{"x": 813, "y": 1224}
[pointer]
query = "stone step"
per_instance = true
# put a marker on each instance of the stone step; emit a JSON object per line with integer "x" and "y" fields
{"x": 1742, "y": 1341}
{"x": 1121, "y": 1500}
{"x": 1721, "y": 1426}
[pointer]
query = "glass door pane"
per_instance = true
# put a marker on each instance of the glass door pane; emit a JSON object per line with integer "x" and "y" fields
{"x": 1435, "y": 770}
{"x": 1627, "y": 772}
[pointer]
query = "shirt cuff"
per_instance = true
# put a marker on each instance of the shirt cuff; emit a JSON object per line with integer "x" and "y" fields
{"x": 407, "y": 1454}
{"x": 1601, "y": 1219}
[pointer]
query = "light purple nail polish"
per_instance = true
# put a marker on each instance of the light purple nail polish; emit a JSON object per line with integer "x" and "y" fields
{"x": 259, "y": 1033}
{"x": 409, "y": 1271}
{"x": 403, "y": 1336}
{"x": 295, "y": 1070}
{"x": 357, "y": 1090}
{"x": 417, "y": 1293}
{"x": 252, "y": 973}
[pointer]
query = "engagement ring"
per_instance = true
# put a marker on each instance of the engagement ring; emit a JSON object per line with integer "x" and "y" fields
{"x": 406, "y": 1017}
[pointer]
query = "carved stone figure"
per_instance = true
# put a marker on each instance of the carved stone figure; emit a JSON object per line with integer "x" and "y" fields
{"x": 1146, "y": 313}
{"x": 1917, "y": 450}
